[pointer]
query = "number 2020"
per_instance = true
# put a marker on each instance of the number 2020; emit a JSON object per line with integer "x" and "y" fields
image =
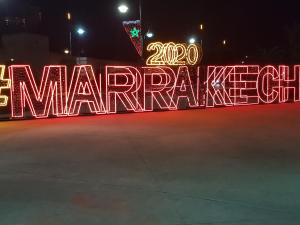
{"x": 174, "y": 54}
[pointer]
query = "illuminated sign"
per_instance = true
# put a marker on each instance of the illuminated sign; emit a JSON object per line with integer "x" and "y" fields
{"x": 4, "y": 84}
{"x": 173, "y": 54}
{"x": 60, "y": 93}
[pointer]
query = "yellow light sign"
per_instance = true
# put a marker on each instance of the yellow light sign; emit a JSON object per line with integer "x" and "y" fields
{"x": 174, "y": 54}
{"x": 4, "y": 84}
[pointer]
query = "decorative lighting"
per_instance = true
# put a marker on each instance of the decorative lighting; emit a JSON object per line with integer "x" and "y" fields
{"x": 67, "y": 51}
{"x": 4, "y": 84}
{"x": 174, "y": 54}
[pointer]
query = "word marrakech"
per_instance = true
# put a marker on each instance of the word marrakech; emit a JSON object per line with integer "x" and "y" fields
{"x": 132, "y": 89}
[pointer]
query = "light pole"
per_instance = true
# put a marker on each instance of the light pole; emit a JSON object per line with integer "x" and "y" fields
{"x": 140, "y": 9}
{"x": 69, "y": 18}
{"x": 201, "y": 28}
{"x": 81, "y": 32}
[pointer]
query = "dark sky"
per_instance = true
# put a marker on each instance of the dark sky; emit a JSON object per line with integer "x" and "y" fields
{"x": 247, "y": 25}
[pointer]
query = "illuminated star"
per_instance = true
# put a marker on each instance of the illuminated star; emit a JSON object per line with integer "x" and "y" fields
{"x": 135, "y": 32}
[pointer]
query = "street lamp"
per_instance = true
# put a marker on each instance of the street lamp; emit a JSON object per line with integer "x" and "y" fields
{"x": 192, "y": 40}
{"x": 80, "y": 31}
{"x": 123, "y": 8}
{"x": 150, "y": 34}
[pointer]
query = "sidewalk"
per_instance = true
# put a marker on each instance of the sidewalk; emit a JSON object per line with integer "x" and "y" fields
{"x": 225, "y": 166}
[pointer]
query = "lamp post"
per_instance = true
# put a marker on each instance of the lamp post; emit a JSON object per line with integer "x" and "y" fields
{"x": 69, "y": 18}
{"x": 140, "y": 9}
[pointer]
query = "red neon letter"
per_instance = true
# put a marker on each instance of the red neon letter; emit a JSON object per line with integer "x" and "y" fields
{"x": 84, "y": 89}
{"x": 232, "y": 86}
{"x": 184, "y": 89}
{"x": 243, "y": 85}
{"x": 52, "y": 92}
{"x": 290, "y": 90}
{"x": 268, "y": 85}
{"x": 123, "y": 84}
{"x": 158, "y": 85}
{"x": 217, "y": 95}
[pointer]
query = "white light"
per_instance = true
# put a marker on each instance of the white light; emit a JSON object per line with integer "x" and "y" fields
{"x": 69, "y": 16}
{"x": 192, "y": 41}
{"x": 66, "y": 51}
{"x": 150, "y": 35}
{"x": 80, "y": 31}
{"x": 123, "y": 9}
{"x": 12, "y": 59}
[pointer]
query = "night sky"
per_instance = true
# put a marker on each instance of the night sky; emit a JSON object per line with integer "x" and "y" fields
{"x": 249, "y": 26}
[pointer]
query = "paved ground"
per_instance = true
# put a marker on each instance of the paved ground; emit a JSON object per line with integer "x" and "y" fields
{"x": 233, "y": 166}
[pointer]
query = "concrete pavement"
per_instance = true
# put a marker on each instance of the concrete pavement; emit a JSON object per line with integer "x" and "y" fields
{"x": 227, "y": 166}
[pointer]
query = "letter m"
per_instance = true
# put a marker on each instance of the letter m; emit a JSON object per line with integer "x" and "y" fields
{"x": 51, "y": 95}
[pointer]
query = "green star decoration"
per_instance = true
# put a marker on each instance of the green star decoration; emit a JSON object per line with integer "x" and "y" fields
{"x": 135, "y": 32}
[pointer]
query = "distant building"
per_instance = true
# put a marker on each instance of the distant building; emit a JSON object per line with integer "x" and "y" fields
{"x": 19, "y": 17}
{"x": 21, "y": 41}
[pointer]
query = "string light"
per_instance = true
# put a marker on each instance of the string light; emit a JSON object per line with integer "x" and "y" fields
{"x": 174, "y": 54}
{"x": 135, "y": 89}
{"x": 184, "y": 89}
{"x": 84, "y": 90}
{"x": 51, "y": 94}
{"x": 158, "y": 85}
{"x": 122, "y": 86}
{"x": 291, "y": 83}
{"x": 248, "y": 85}
{"x": 4, "y": 84}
